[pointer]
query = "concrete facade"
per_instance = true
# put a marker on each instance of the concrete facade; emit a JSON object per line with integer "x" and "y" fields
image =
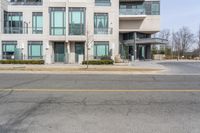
{"x": 118, "y": 25}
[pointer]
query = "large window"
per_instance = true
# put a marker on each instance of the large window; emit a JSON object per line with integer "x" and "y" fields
{"x": 101, "y": 23}
{"x": 57, "y": 21}
{"x": 102, "y": 2}
{"x": 132, "y": 8}
{"x": 8, "y": 49}
{"x": 76, "y": 21}
{"x": 155, "y": 8}
{"x": 34, "y": 50}
{"x": 101, "y": 49}
{"x": 13, "y": 23}
{"x": 152, "y": 7}
{"x": 37, "y": 23}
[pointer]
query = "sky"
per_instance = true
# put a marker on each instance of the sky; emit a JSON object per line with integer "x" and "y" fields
{"x": 178, "y": 13}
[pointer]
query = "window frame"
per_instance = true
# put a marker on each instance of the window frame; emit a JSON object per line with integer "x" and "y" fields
{"x": 4, "y": 43}
{"x": 104, "y": 30}
{"x": 102, "y": 2}
{"x": 35, "y": 43}
{"x": 82, "y": 13}
{"x": 35, "y": 28}
{"x": 52, "y": 11}
{"x": 10, "y": 24}
{"x": 101, "y": 43}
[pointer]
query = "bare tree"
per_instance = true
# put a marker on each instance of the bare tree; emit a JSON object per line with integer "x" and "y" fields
{"x": 187, "y": 39}
{"x": 165, "y": 34}
{"x": 183, "y": 39}
{"x": 176, "y": 43}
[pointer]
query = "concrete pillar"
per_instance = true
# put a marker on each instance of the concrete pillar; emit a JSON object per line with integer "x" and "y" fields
{"x": 148, "y": 51}
{"x": 1, "y": 54}
{"x": 66, "y": 53}
{"x": 135, "y": 46}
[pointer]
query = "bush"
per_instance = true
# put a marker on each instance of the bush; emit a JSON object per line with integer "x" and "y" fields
{"x": 98, "y": 62}
{"x": 38, "y": 62}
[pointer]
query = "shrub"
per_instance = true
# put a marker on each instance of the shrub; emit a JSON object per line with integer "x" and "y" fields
{"x": 38, "y": 62}
{"x": 98, "y": 62}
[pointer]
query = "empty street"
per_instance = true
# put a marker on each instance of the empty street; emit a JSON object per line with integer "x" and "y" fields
{"x": 100, "y": 103}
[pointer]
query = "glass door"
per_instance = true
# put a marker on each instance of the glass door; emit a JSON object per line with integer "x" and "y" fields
{"x": 59, "y": 52}
{"x": 79, "y": 50}
{"x": 142, "y": 52}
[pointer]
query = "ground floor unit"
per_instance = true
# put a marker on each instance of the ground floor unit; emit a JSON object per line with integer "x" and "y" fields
{"x": 74, "y": 51}
{"x": 70, "y": 53}
{"x": 54, "y": 51}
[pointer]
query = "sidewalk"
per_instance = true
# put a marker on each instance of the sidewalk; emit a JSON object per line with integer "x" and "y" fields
{"x": 135, "y": 68}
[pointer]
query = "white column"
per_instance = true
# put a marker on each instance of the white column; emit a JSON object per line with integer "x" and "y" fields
{"x": 1, "y": 50}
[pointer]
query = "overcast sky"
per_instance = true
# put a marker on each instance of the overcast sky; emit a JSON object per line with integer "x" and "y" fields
{"x": 178, "y": 13}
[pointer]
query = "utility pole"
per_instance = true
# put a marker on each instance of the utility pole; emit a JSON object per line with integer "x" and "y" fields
{"x": 87, "y": 46}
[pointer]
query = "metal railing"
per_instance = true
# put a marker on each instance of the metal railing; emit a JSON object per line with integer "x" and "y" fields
{"x": 23, "y": 30}
{"x": 132, "y": 12}
{"x": 77, "y": 29}
{"x": 103, "y": 31}
{"x": 21, "y": 57}
{"x": 146, "y": 41}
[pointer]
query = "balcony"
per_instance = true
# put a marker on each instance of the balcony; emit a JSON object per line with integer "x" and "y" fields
{"x": 26, "y": 2}
{"x": 146, "y": 41}
{"x": 132, "y": 14}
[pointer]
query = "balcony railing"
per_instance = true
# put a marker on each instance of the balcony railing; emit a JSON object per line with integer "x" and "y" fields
{"x": 23, "y": 30}
{"x": 132, "y": 12}
{"x": 146, "y": 41}
{"x": 78, "y": 29}
{"x": 103, "y": 31}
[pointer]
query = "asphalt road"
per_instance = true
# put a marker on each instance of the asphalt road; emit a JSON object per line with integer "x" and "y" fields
{"x": 45, "y": 103}
{"x": 80, "y": 112}
{"x": 182, "y": 68}
{"x": 93, "y": 82}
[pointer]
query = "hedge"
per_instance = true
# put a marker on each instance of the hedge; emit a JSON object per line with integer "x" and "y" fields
{"x": 38, "y": 62}
{"x": 98, "y": 62}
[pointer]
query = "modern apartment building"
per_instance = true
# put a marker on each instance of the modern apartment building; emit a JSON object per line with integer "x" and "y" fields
{"x": 61, "y": 31}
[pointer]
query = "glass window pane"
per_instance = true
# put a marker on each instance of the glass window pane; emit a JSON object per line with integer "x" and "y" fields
{"x": 58, "y": 18}
{"x": 9, "y": 48}
{"x": 37, "y": 23}
{"x": 13, "y": 23}
{"x": 35, "y": 50}
{"x": 102, "y": 2}
{"x": 101, "y": 49}
{"x": 58, "y": 21}
{"x": 101, "y": 23}
{"x": 76, "y": 21}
